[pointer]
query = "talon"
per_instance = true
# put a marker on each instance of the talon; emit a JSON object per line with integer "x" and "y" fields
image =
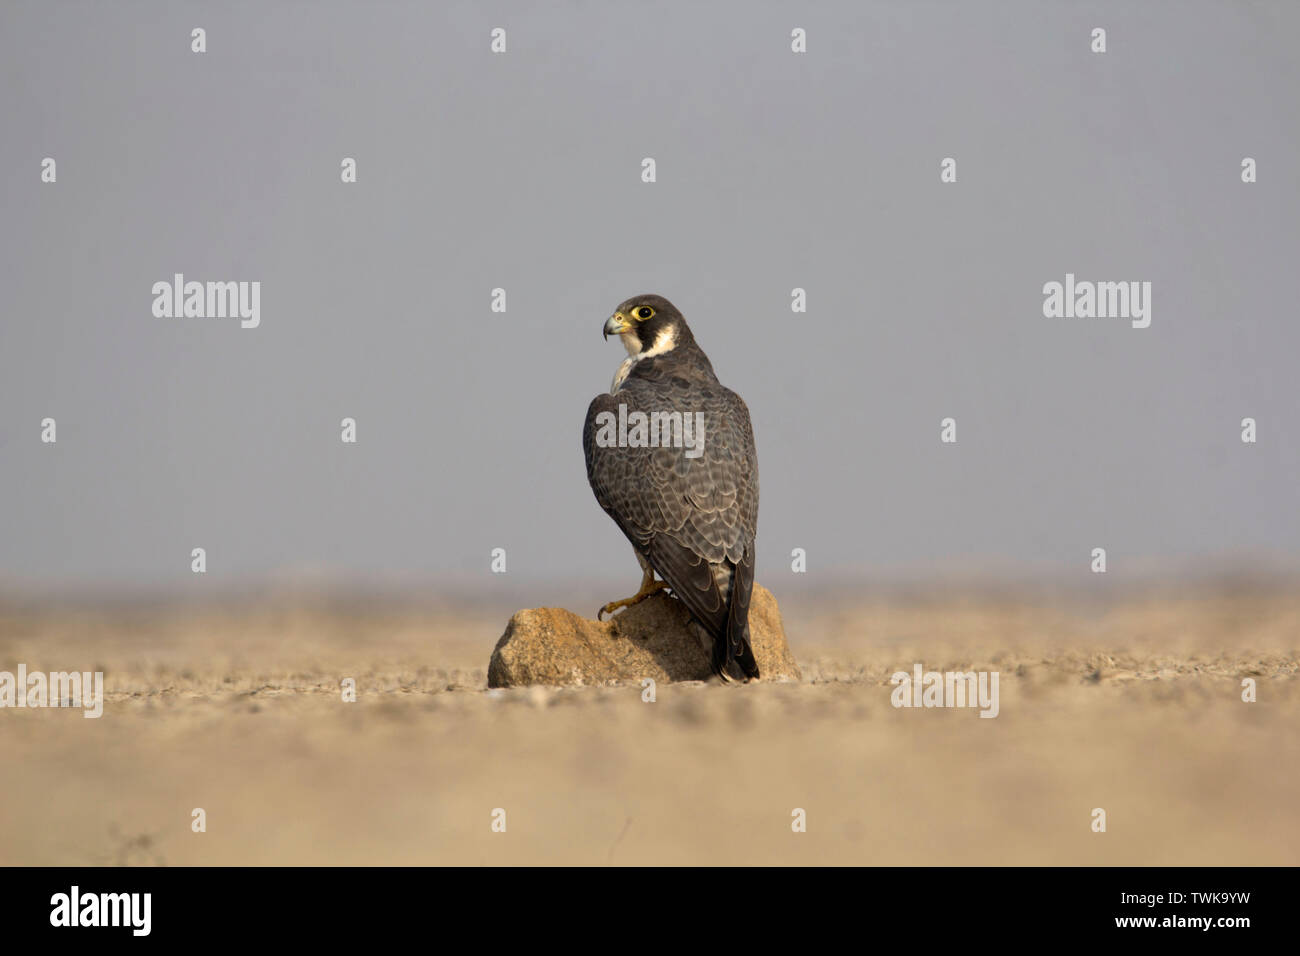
{"x": 648, "y": 587}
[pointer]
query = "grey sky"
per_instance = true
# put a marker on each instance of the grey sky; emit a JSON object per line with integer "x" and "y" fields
{"x": 522, "y": 170}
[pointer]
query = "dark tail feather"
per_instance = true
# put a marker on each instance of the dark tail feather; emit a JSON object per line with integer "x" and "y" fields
{"x": 728, "y": 667}
{"x": 734, "y": 645}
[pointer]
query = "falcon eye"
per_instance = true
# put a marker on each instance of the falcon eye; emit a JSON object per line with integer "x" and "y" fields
{"x": 644, "y": 312}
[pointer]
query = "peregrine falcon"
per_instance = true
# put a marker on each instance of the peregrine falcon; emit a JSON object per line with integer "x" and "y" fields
{"x": 670, "y": 456}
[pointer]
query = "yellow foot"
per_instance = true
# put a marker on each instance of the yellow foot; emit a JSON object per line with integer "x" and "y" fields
{"x": 649, "y": 586}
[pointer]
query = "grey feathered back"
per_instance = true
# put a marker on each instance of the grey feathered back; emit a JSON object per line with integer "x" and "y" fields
{"x": 694, "y": 519}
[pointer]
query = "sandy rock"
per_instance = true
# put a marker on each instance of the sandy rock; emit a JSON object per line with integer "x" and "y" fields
{"x": 550, "y": 645}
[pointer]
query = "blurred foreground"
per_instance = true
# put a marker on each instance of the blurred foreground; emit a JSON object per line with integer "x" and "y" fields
{"x": 1135, "y": 708}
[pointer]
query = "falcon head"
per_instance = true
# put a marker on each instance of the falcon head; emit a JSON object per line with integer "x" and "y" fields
{"x": 648, "y": 325}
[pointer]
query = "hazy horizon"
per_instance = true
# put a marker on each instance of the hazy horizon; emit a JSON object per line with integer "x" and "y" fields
{"x": 522, "y": 171}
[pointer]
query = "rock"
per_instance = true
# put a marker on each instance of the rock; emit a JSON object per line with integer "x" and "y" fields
{"x": 550, "y": 645}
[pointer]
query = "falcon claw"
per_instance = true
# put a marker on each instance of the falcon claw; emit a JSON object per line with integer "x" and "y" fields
{"x": 648, "y": 587}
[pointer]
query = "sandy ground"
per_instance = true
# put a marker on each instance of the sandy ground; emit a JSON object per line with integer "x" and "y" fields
{"x": 1135, "y": 708}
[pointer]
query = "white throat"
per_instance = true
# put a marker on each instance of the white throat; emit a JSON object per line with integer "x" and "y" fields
{"x": 665, "y": 341}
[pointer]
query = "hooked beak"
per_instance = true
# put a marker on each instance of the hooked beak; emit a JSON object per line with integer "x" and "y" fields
{"x": 616, "y": 324}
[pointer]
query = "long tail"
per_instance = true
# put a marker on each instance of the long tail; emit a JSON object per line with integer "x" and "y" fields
{"x": 733, "y": 657}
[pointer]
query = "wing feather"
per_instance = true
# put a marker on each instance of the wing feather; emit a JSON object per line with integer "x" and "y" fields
{"x": 693, "y": 519}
